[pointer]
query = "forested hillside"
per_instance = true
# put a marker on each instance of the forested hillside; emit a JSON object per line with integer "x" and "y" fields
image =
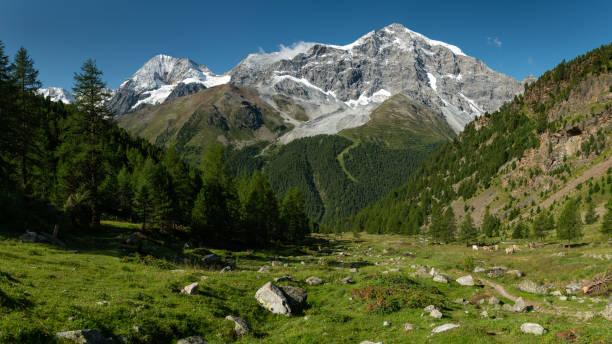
{"x": 70, "y": 166}
{"x": 532, "y": 156}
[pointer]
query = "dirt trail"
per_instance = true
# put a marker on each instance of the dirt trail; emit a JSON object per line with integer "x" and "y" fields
{"x": 597, "y": 170}
{"x": 499, "y": 288}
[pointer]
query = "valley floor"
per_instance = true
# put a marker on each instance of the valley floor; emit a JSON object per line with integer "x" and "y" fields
{"x": 134, "y": 297}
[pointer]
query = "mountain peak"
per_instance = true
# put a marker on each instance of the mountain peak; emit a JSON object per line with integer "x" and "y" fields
{"x": 57, "y": 94}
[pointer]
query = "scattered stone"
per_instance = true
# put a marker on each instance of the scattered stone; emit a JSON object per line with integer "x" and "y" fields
{"x": 203, "y": 278}
{"x": 558, "y": 254}
{"x": 394, "y": 270}
{"x": 241, "y": 327}
{"x": 466, "y": 280}
{"x": 484, "y": 314}
{"x": 444, "y": 327}
{"x": 493, "y": 300}
{"x": 556, "y": 293}
{"x": 507, "y": 307}
{"x": 84, "y": 337}
{"x": 347, "y": 280}
{"x": 284, "y": 278}
{"x": 462, "y": 301}
{"x": 533, "y": 328}
{"x": 440, "y": 279}
{"x": 515, "y": 273}
{"x": 313, "y": 280}
{"x": 103, "y": 303}
{"x": 563, "y": 298}
{"x": 429, "y": 308}
{"x": 433, "y": 272}
{"x": 210, "y": 258}
{"x": 192, "y": 340}
{"x": 270, "y": 297}
{"x": 409, "y": 327}
{"x": 478, "y": 269}
{"x": 71, "y": 318}
{"x": 531, "y": 287}
{"x": 387, "y": 324}
{"x": 226, "y": 269}
{"x": 296, "y": 297}
{"x": 496, "y": 271}
{"x": 521, "y": 306}
{"x": 409, "y": 254}
{"x": 353, "y": 270}
{"x": 573, "y": 287}
{"x": 481, "y": 302}
{"x": 607, "y": 312}
{"x": 264, "y": 269}
{"x": 435, "y": 314}
{"x": 303, "y": 262}
{"x": 368, "y": 342}
{"x": 178, "y": 271}
{"x": 276, "y": 263}
{"x": 191, "y": 289}
{"x": 587, "y": 315}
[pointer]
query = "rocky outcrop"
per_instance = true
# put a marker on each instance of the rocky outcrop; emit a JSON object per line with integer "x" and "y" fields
{"x": 531, "y": 287}
{"x": 285, "y": 300}
{"x": 241, "y": 327}
{"x": 533, "y": 328}
{"x": 466, "y": 280}
{"x": 444, "y": 328}
{"x": 84, "y": 337}
{"x": 192, "y": 340}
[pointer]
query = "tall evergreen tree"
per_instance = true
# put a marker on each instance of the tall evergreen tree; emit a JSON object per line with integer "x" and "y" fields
{"x": 543, "y": 223}
{"x": 26, "y": 130}
{"x": 143, "y": 197}
{"x": 569, "y": 225}
{"x": 294, "y": 216}
{"x": 606, "y": 224}
{"x": 436, "y": 227}
{"x": 520, "y": 230}
{"x": 468, "y": 233}
{"x": 6, "y": 119}
{"x": 450, "y": 225}
{"x": 490, "y": 224}
{"x": 90, "y": 126}
{"x": 125, "y": 193}
{"x": 261, "y": 211}
{"x": 591, "y": 216}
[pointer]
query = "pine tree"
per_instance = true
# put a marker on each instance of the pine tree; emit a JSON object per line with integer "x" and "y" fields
{"x": 125, "y": 193}
{"x": 490, "y": 224}
{"x": 143, "y": 197}
{"x": 436, "y": 227}
{"x": 468, "y": 233}
{"x": 294, "y": 216}
{"x": 569, "y": 224}
{"x": 26, "y": 130}
{"x": 543, "y": 223}
{"x": 91, "y": 99}
{"x": 7, "y": 90}
{"x": 450, "y": 225}
{"x": 591, "y": 217}
{"x": 261, "y": 211}
{"x": 520, "y": 230}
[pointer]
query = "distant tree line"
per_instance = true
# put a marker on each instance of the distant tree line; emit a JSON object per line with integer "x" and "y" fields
{"x": 71, "y": 164}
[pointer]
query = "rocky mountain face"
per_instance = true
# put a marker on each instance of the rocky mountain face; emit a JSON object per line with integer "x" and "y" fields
{"x": 162, "y": 77}
{"x": 338, "y": 86}
{"x": 227, "y": 114}
{"x": 57, "y": 94}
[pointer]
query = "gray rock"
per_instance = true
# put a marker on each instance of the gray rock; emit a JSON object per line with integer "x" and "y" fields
{"x": 573, "y": 287}
{"x": 433, "y": 272}
{"x": 533, "y": 328}
{"x": 493, "y": 300}
{"x": 461, "y": 301}
{"x": 496, "y": 271}
{"x": 515, "y": 273}
{"x": 241, "y": 327}
{"x": 272, "y": 298}
{"x": 507, "y": 308}
{"x": 103, "y": 303}
{"x": 368, "y": 342}
{"x": 409, "y": 327}
{"x": 521, "y": 306}
{"x": 386, "y": 323}
{"x": 429, "y": 308}
{"x": 192, "y": 340}
{"x": 226, "y": 269}
{"x": 478, "y": 269}
{"x": 84, "y": 337}
{"x": 532, "y": 287}
{"x": 556, "y": 293}
{"x": 210, "y": 258}
{"x": 347, "y": 280}
{"x": 284, "y": 278}
{"x": 353, "y": 269}
{"x": 296, "y": 297}
{"x": 440, "y": 279}
{"x": 191, "y": 289}
{"x": 466, "y": 280}
{"x": 563, "y": 298}
{"x": 607, "y": 312}
{"x": 264, "y": 269}
{"x": 313, "y": 280}
{"x": 41, "y": 237}
{"x": 484, "y": 314}
{"x": 435, "y": 314}
{"x": 445, "y": 327}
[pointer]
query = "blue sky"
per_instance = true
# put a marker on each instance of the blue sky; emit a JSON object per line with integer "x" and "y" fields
{"x": 517, "y": 38}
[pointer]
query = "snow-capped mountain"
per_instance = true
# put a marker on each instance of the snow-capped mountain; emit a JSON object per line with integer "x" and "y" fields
{"x": 338, "y": 86}
{"x": 57, "y": 94}
{"x": 163, "y": 77}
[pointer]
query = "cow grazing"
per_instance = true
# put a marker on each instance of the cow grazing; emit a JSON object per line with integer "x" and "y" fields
{"x": 475, "y": 247}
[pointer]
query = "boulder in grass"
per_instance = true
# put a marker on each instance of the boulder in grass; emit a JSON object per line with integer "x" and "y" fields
{"x": 272, "y": 298}
{"x": 296, "y": 297}
{"x": 192, "y": 340}
{"x": 435, "y": 314}
{"x": 313, "y": 280}
{"x": 440, "y": 279}
{"x": 533, "y": 328}
{"x": 241, "y": 327}
{"x": 445, "y": 327}
{"x": 466, "y": 280}
{"x": 191, "y": 289}
{"x": 84, "y": 337}
{"x": 531, "y": 287}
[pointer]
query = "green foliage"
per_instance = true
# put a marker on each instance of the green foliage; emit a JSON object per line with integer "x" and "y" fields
{"x": 520, "y": 230}
{"x": 606, "y": 223}
{"x": 591, "y": 216}
{"x": 468, "y": 232}
{"x": 543, "y": 224}
{"x": 490, "y": 224}
{"x": 569, "y": 224}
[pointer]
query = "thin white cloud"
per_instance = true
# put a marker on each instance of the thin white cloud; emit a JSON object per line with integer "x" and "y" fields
{"x": 284, "y": 53}
{"x": 494, "y": 41}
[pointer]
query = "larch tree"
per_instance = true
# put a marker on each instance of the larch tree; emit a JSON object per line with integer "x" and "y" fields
{"x": 569, "y": 224}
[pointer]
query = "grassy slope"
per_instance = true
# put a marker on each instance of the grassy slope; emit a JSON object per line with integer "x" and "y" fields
{"x": 41, "y": 287}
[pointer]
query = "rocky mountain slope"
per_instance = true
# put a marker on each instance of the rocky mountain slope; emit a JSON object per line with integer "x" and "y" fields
{"x": 162, "y": 77}
{"x": 551, "y": 144}
{"x": 338, "y": 86}
{"x": 226, "y": 114}
{"x": 57, "y": 94}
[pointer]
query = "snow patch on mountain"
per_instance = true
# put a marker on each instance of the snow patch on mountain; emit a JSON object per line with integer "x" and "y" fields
{"x": 57, "y": 94}
{"x": 432, "y": 81}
